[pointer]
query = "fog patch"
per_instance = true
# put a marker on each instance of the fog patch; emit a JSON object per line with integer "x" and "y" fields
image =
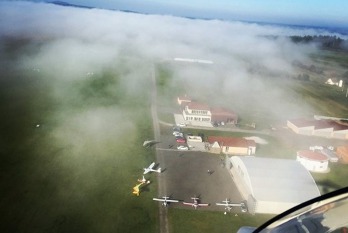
{"x": 94, "y": 130}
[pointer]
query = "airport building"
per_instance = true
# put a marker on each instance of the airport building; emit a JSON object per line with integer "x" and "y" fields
{"x": 269, "y": 185}
{"x": 193, "y": 111}
{"x": 323, "y": 128}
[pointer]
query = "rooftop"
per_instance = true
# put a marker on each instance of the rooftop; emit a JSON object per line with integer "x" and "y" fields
{"x": 230, "y": 141}
{"x": 312, "y": 155}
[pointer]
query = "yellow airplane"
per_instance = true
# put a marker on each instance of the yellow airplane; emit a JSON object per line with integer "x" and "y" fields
{"x": 136, "y": 189}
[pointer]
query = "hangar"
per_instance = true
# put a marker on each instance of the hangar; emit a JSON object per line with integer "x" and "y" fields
{"x": 269, "y": 185}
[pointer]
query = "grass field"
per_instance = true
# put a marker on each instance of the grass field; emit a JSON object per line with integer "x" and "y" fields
{"x": 209, "y": 221}
{"x": 70, "y": 155}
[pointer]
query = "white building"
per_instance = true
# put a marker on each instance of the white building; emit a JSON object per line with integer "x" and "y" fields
{"x": 271, "y": 185}
{"x": 313, "y": 161}
{"x": 194, "y": 111}
{"x": 322, "y": 128}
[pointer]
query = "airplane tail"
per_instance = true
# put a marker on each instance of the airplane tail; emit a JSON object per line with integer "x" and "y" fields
{"x": 159, "y": 170}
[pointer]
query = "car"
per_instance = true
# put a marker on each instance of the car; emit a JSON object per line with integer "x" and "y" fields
{"x": 181, "y": 140}
{"x": 176, "y": 128}
{"x": 182, "y": 147}
{"x": 181, "y": 124}
{"x": 178, "y": 134}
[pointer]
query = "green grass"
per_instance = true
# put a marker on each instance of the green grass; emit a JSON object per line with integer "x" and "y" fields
{"x": 333, "y": 180}
{"x": 76, "y": 171}
{"x": 335, "y": 57}
{"x": 191, "y": 221}
{"x": 327, "y": 100}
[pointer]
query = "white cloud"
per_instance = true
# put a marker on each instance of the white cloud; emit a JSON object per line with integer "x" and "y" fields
{"x": 74, "y": 41}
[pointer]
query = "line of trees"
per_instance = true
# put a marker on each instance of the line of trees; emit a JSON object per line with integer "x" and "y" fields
{"x": 325, "y": 42}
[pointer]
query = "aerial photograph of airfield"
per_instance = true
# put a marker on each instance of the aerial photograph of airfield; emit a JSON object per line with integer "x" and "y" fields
{"x": 120, "y": 120}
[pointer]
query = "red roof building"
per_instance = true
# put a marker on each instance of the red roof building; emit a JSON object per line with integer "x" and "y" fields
{"x": 231, "y": 145}
{"x": 323, "y": 127}
{"x": 313, "y": 161}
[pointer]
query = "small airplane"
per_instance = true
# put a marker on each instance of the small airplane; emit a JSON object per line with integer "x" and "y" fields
{"x": 228, "y": 205}
{"x": 149, "y": 143}
{"x": 150, "y": 169}
{"x": 144, "y": 181}
{"x": 165, "y": 200}
{"x": 136, "y": 189}
{"x": 195, "y": 203}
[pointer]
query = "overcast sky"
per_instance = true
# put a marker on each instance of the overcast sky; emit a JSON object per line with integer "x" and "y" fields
{"x": 309, "y": 12}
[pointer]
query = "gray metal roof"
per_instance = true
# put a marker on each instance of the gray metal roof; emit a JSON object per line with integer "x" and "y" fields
{"x": 280, "y": 180}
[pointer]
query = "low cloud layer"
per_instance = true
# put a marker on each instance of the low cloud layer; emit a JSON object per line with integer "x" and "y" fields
{"x": 70, "y": 43}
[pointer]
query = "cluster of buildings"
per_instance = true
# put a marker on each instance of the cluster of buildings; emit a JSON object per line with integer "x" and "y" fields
{"x": 289, "y": 182}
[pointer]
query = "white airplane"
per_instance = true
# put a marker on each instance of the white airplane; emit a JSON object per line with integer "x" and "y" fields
{"x": 144, "y": 181}
{"x": 150, "y": 169}
{"x": 228, "y": 205}
{"x": 195, "y": 203}
{"x": 165, "y": 200}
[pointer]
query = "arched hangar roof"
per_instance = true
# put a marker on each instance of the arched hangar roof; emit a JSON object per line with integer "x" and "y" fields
{"x": 280, "y": 180}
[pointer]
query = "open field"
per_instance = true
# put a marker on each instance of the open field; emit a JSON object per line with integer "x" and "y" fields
{"x": 71, "y": 153}
{"x": 214, "y": 222}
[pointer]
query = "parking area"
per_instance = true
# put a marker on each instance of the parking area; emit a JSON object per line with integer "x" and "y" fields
{"x": 186, "y": 175}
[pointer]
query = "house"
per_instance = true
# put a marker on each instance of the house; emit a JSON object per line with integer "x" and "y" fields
{"x": 334, "y": 81}
{"x": 231, "y": 145}
{"x": 313, "y": 161}
{"x": 342, "y": 153}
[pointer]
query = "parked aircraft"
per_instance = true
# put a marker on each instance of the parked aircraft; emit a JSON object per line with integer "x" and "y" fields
{"x": 149, "y": 143}
{"x": 136, "y": 189}
{"x": 228, "y": 205}
{"x": 150, "y": 169}
{"x": 195, "y": 203}
{"x": 143, "y": 181}
{"x": 165, "y": 200}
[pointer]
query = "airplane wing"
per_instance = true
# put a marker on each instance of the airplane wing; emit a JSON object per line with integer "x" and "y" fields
{"x": 151, "y": 165}
{"x": 228, "y": 204}
{"x": 188, "y": 203}
{"x": 146, "y": 171}
{"x": 224, "y": 204}
{"x": 158, "y": 199}
{"x": 203, "y": 204}
{"x": 169, "y": 200}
